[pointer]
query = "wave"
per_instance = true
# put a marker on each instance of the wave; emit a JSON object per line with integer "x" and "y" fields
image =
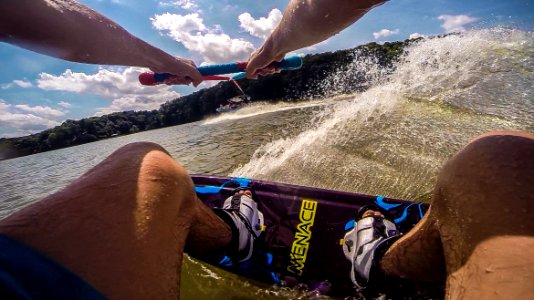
{"x": 393, "y": 138}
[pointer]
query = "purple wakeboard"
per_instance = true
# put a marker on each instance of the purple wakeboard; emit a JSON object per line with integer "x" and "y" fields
{"x": 304, "y": 229}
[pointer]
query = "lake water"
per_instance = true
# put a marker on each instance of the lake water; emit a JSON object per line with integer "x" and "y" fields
{"x": 390, "y": 140}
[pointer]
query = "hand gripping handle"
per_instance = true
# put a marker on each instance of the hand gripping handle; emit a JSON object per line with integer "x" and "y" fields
{"x": 290, "y": 63}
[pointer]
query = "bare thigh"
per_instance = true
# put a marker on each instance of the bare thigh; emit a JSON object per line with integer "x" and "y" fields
{"x": 123, "y": 225}
{"x": 481, "y": 216}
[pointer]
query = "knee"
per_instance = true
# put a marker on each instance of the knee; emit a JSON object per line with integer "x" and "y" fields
{"x": 163, "y": 186}
{"x": 148, "y": 157}
{"x": 493, "y": 169}
{"x": 158, "y": 170}
{"x": 143, "y": 167}
{"x": 158, "y": 166}
{"x": 494, "y": 154}
{"x": 502, "y": 144}
{"x": 136, "y": 151}
{"x": 125, "y": 161}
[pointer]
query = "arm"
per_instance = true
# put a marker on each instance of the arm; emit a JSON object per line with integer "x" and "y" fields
{"x": 71, "y": 31}
{"x": 304, "y": 23}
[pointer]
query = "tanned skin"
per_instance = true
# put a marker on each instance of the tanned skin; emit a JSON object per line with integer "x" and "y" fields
{"x": 69, "y": 30}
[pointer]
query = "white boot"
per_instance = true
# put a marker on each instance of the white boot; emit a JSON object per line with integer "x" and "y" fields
{"x": 360, "y": 244}
{"x": 246, "y": 222}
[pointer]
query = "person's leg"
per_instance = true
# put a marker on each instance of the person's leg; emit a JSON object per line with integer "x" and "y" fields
{"x": 122, "y": 226}
{"x": 482, "y": 219}
{"x": 419, "y": 254}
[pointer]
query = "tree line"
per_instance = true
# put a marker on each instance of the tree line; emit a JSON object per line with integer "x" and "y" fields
{"x": 285, "y": 86}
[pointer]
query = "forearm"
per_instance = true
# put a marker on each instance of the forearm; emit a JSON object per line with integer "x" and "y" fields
{"x": 71, "y": 31}
{"x": 307, "y": 22}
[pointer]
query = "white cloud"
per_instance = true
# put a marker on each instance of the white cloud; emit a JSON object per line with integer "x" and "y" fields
{"x": 137, "y": 102}
{"x": 385, "y": 33}
{"x": 455, "y": 23}
{"x": 416, "y": 35}
{"x": 184, "y": 4}
{"x": 64, "y": 104}
{"x": 122, "y": 88}
{"x": 20, "y": 83}
{"x": 23, "y": 123}
{"x": 263, "y": 26}
{"x": 44, "y": 111}
{"x": 23, "y": 83}
{"x": 210, "y": 43}
{"x": 308, "y": 50}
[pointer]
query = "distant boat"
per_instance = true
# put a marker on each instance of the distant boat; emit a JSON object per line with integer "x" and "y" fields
{"x": 227, "y": 108}
{"x": 234, "y": 104}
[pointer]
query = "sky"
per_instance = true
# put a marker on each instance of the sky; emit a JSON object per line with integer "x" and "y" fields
{"x": 39, "y": 92}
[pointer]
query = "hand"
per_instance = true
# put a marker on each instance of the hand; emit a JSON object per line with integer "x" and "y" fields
{"x": 259, "y": 61}
{"x": 184, "y": 72}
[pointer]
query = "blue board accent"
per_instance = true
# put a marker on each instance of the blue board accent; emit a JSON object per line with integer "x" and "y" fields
{"x": 350, "y": 224}
{"x": 269, "y": 259}
{"x": 275, "y": 278}
{"x": 387, "y": 206}
{"x": 404, "y": 214}
{"x": 210, "y": 189}
{"x": 421, "y": 214}
{"x": 226, "y": 261}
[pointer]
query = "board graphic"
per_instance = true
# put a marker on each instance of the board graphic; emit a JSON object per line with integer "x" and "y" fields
{"x": 304, "y": 228}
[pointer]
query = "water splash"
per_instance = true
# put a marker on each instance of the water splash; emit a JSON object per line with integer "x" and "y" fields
{"x": 393, "y": 138}
{"x": 484, "y": 71}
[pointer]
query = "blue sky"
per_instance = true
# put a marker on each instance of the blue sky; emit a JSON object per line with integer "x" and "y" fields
{"x": 39, "y": 92}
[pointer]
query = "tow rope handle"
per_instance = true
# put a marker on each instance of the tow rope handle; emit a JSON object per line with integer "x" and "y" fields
{"x": 211, "y": 72}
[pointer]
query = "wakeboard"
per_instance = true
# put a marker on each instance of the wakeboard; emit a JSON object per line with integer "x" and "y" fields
{"x": 301, "y": 244}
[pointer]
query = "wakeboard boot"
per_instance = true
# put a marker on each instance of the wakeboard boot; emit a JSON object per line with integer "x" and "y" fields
{"x": 366, "y": 242}
{"x": 241, "y": 213}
